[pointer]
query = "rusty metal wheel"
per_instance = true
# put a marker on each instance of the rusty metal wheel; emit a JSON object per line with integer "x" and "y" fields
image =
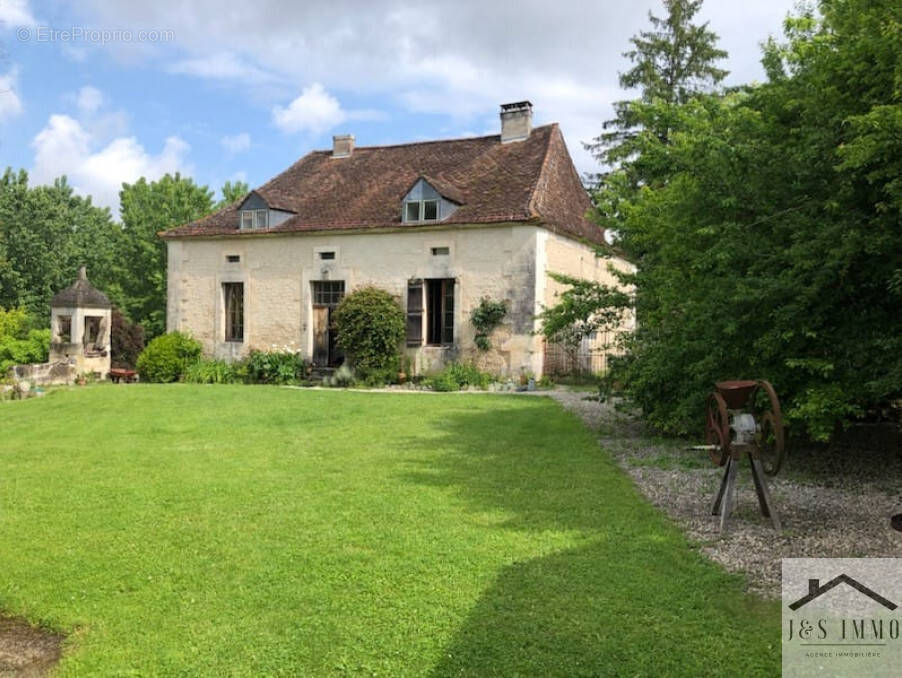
{"x": 717, "y": 429}
{"x": 770, "y": 438}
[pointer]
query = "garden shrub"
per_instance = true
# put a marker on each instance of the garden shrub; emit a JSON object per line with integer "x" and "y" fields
{"x": 273, "y": 367}
{"x": 167, "y": 357}
{"x": 211, "y": 372}
{"x": 457, "y": 376}
{"x": 126, "y": 341}
{"x": 20, "y": 342}
{"x": 371, "y": 326}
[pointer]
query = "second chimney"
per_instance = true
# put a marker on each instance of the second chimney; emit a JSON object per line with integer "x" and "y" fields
{"x": 516, "y": 121}
{"x": 342, "y": 145}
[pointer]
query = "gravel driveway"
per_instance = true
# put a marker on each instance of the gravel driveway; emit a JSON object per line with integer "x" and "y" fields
{"x": 836, "y": 509}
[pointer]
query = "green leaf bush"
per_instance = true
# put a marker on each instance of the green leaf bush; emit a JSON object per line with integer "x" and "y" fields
{"x": 212, "y": 372}
{"x": 168, "y": 357}
{"x": 457, "y": 376}
{"x": 371, "y": 324}
{"x": 20, "y": 342}
{"x": 273, "y": 367}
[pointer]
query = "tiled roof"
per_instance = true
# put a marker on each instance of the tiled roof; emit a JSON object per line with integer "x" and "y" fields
{"x": 527, "y": 181}
{"x": 81, "y": 294}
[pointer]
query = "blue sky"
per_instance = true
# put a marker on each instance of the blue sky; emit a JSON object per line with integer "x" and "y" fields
{"x": 106, "y": 91}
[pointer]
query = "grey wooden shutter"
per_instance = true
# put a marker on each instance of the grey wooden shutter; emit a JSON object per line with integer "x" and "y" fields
{"x": 415, "y": 313}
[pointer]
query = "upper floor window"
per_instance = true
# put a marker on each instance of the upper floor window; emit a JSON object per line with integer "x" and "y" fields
{"x": 421, "y": 210}
{"x": 254, "y": 218}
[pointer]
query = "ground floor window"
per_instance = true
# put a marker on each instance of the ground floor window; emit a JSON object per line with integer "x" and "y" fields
{"x": 233, "y": 293}
{"x": 439, "y": 311}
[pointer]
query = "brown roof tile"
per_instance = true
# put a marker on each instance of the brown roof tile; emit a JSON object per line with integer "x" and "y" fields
{"x": 528, "y": 181}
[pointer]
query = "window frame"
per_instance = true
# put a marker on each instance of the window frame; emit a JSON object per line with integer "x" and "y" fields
{"x": 421, "y": 211}
{"x": 265, "y": 221}
{"x": 247, "y": 220}
{"x": 234, "y": 318}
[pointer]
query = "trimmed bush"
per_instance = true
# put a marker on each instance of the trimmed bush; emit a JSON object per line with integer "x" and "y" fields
{"x": 168, "y": 357}
{"x": 371, "y": 325}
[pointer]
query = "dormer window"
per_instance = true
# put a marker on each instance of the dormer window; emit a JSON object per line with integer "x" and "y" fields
{"x": 254, "y": 218}
{"x": 421, "y": 210}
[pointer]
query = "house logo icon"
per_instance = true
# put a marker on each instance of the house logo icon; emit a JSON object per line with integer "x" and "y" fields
{"x": 815, "y": 590}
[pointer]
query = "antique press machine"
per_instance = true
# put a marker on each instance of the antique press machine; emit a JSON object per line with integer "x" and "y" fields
{"x": 744, "y": 420}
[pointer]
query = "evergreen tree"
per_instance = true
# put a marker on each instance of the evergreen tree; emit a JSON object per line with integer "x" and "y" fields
{"x": 672, "y": 62}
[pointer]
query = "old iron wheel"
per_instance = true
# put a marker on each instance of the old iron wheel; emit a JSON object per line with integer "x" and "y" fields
{"x": 717, "y": 429}
{"x": 771, "y": 438}
{"x": 770, "y": 445}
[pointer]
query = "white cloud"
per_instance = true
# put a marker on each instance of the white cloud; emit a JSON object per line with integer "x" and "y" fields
{"x": 10, "y": 103}
{"x": 236, "y": 143}
{"x": 314, "y": 110}
{"x": 459, "y": 59}
{"x": 89, "y": 99}
{"x": 220, "y": 66}
{"x": 16, "y": 13}
{"x": 64, "y": 146}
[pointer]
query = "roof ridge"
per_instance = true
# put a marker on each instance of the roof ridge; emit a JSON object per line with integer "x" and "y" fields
{"x": 423, "y": 142}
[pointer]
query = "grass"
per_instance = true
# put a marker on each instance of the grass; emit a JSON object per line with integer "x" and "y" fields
{"x": 246, "y": 531}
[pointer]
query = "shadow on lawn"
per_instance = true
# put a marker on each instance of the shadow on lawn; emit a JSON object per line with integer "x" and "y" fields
{"x": 636, "y": 599}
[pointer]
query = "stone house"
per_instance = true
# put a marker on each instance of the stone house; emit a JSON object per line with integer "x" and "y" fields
{"x": 439, "y": 224}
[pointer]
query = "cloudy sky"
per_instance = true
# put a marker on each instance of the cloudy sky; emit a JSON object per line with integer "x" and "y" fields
{"x": 109, "y": 91}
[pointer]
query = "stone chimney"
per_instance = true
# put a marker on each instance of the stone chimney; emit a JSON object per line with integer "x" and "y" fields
{"x": 342, "y": 145}
{"x": 516, "y": 121}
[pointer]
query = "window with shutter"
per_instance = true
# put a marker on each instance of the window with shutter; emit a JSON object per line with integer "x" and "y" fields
{"x": 440, "y": 311}
{"x": 415, "y": 313}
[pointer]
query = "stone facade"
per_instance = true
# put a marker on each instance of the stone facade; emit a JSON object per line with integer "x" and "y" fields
{"x": 506, "y": 262}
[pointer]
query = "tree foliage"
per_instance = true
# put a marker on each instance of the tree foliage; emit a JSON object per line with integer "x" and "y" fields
{"x": 766, "y": 230}
{"x": 148, "y": 208}
{"x": 671, "y": 63}
{"x": 232, "y": 192}
{"x": 46, "y": 233}
{"x": 126, "y": 341}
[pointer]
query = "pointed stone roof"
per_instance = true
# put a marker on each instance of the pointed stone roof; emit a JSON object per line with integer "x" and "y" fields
{"x": 81, "y": 294}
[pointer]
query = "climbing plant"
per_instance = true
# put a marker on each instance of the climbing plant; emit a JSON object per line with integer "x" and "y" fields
{"x": 485, "y": 318}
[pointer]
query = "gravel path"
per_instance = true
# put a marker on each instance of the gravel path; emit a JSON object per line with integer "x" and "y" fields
{"x": 844, "y": 516}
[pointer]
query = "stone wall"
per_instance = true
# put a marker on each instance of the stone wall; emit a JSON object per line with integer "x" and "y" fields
{"x": 45, "y": 374}
{"x": 278, "y": 271}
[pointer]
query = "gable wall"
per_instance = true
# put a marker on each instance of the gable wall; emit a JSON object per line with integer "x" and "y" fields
{"x": 500, "y": 262}
{"x": 570, "y": 257}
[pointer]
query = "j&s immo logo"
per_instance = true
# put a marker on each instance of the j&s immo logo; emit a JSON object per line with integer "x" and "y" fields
{"x": 841, "y": 616}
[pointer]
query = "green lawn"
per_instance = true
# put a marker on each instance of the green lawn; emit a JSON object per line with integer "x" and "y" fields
{"x": 238, "y": 530}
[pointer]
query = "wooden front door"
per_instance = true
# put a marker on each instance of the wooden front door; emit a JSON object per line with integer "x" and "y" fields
{"x": 320, "y": 336}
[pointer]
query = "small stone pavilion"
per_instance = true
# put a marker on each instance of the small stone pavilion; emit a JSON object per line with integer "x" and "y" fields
{"x": 80, "y": 327}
